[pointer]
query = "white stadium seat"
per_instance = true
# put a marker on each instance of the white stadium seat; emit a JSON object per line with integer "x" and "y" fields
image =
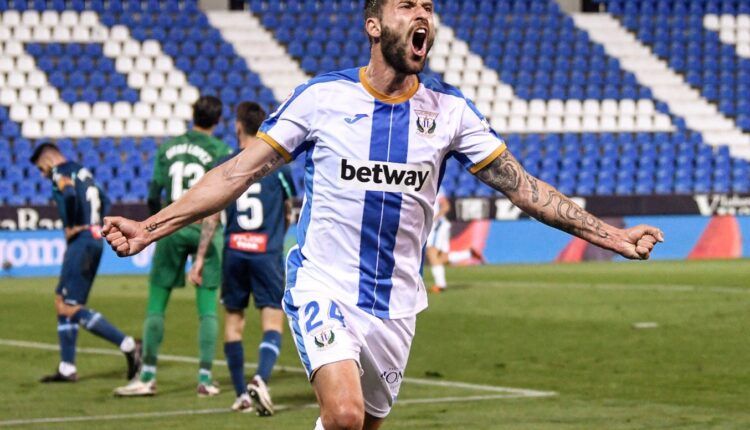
{"x": 483, "y": 107}
{"x": 11, "y": 18}
{"x": 6, "y": 64}
{"x": 19, "y": 113}
{"x": 711, "y": 22}
{"x": 485, "y": 93}
{"x": 554, "y": 124}
{"x": 590, "y": 123}
{"x": 93, "y": 128}
{"x": 122, "y": 110}
{"x": 452, "y": 77}
{"x": 124, "y": 65}
{"x": 81, "y": 34}
{"x": 609, "y": 107}
{"x": 2, "y": 79}
{"x": 189, "y": 95}
{"x": 662, "y": 122}
{"x": 455, "y": 64}
{"x": 489, "y": 77}
{"x": 155, "y": 127}
{"x": 473, "y": 62}
{"x": 136, "y": 80}
{"x": 743, "y": 21}
{"x": 627, "y": 107}
{"x": 504, "y": 92}
{"x": 176, "y": 127}
{"x": 156, "y": 79}
{"x": 52, "y": 128}
{"x": 726, "y": 21}
{"x": 69, "y": 18}
{"x": 519, "y": 107}
{"x": 573, "y": 107}
{"x": 625, "y": 123}
{"x": 645, "y": 107}
{"x": 728, "y": 36}
{"x": 72, "y": 128}
{"x": 438, "y": 63}
{"x": 608, "y": 123}
{"x": 131, "y": 48}
{"x": 81, "y": 110}
{"x": 61, "y": 34}
{"x": 5, "y": 34}
{"x": 470, "y": 92}
{"x": 162, "y": 111}
{"x": 31, "y": 129}
{"x": 591, "y": 107}
{"x": 169, "y": 95}
{"x": 60, "y": 111}
{"x": 49, "y": 95}
{"x": 114, "y": 128}
{"x": 8, "y": 96}
{"x": 535, "y": 124}
{"x": 41, "y": 34}
{"x": 28, "y": 96}
{"x": 459, "y": 48}
{"x": 88, "y": 18}
{"x": 25, "y": 63}
{"x": 40, "y": 112}
{"x": 99, "y": 34}
{"x": 183, "y": 111}
{"x": 150, "y": 48}
{"x": 112, "y": 49}
{"x": 14, "y": 48}
{"x": 149, "y": 95}
{"x": 538, "y": 107}
{"x": 142, "y": 111}
{"x": 134, "y": 127}
{"x": 470, "y": 77}
{"x": 50, "y": 18}
{"x": 16, "y": 80}
{"x": 555, "y": 107}
{"x": 163, "y": 63}
{"x": 500, "y": 108}
{"x": 144, "y": 64}
{"x": 517, "y": 124}
{"x": 22, "y": 34}
{"x": 572, "y": 123}
{"x": 644, "y": 123}
{"x": 30, "y": 18}
{"x": 36, "y": 79}
{"x": 119, "y": 33}
{"x": 101, "y": 110}
{"x": 499, "y": 124}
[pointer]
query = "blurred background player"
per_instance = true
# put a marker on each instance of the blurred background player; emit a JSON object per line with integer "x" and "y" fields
{"x": 82, "y": 205}
{"x": 179, "y": 164}
{"x": 253, "y": 263}
{"x": 439, "y": 245}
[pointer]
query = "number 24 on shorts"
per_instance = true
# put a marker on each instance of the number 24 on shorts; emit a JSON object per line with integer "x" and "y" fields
{"x": 312, "y": 310}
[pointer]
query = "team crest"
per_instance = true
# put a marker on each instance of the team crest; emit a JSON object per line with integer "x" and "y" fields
{"x": 324, "y": 339}
{"x": 426, "y": 123}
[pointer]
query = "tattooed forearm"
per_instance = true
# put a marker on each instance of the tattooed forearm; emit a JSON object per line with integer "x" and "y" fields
{"x": 232, "y": 172}
{"x": 208, "y": 228}
{"x": 541, "y": 200}
{"x": 153, "y": 226}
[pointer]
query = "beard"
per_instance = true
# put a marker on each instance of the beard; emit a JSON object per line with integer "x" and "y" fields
{"x": 394, "y": 51}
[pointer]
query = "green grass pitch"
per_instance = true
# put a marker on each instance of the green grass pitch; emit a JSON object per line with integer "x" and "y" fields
{"x": 567, "y": 329}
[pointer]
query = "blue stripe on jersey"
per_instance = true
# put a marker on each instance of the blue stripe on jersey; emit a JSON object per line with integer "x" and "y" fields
{"x": 389, "y": 141}
{"x": 293, "y": 263}
{"x": 351, "y": 75}
{"x": 304, "y": 218}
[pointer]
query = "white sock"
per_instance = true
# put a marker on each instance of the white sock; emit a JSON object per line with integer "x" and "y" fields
{"x": 319, "y": 424}
{"x": 438, "y": 273}
{"x": 458, "y": 256}
{"x": 66, "y": 369}
{"x": 128, "y": 344}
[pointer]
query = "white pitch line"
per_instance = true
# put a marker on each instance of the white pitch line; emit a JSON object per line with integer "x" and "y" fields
{"x": 520, "y": 392}
{"x": 618, "y": 287}
{"x": 167, "y": 414}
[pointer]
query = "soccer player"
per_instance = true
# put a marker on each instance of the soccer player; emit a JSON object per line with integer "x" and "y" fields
{"x": 438, "y": 251}
{"x": 81, "y": 204}
{"x": 179, "y": 164}
{"x": 253, "y": 263}
{"x": 374, "y": 141}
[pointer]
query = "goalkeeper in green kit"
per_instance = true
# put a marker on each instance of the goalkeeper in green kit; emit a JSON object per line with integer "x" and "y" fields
{"x": 180, "y": 163}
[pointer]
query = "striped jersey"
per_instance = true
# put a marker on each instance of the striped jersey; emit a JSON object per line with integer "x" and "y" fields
{"x": 373, "y": 166}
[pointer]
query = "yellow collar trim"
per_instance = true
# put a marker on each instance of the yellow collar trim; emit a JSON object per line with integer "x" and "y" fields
{"x": 382, "y": 97}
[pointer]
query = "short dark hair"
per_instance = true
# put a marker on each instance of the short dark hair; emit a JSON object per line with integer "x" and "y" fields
{"x": 207, "y": 111}
{"x": 250, "y": 116}
{"x": 373, "y": 9}
{"x": 40, "y": 149}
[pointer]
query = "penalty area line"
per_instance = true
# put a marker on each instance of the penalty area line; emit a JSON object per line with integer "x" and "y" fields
{"x": 215, "y": 411}
{"x": 505, "y": 391}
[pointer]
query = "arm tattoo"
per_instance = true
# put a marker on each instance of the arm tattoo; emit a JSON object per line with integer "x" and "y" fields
{"x": 208, "y": 228}
{"x": 231, "y": 172}
{"x": 538, "y": 198}
{"x": 153, "y": 226}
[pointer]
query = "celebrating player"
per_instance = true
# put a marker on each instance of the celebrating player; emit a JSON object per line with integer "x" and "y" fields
{"x": 81, "y": 204}
{"x": 179, "y": 165}
{"x": 374, "y": 141}
{"x": 438, "y": 250}
{"x": 253, "y": 263}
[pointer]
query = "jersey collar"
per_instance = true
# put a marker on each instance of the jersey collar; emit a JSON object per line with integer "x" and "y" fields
{"x": 382, "y": 97}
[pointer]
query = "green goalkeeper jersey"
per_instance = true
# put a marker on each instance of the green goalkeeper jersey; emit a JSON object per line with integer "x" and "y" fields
{"x": 180, "y": 163}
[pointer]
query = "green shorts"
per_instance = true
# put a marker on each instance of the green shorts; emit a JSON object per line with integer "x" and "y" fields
{"x": 170, "y": 257}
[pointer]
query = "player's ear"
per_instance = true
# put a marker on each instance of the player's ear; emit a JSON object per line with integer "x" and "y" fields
{"x": 372, "y": 27}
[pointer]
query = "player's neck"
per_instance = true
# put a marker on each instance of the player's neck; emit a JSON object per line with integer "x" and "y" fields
{"x": 386, "y": 80}
{"x": 208, "y": 131}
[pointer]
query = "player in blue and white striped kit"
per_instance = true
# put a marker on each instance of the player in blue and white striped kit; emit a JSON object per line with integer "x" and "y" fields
{"x": 375, "y": 142}
{"x": 81, "y": 204}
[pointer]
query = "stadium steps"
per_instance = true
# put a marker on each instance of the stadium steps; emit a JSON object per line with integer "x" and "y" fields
{"x": 277, "y": 70}
{"x": 666, "y": 85}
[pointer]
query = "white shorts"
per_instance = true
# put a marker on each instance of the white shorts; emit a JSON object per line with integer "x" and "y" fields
{"x": 440, "y": 236}
{"x": 327, "y": 331}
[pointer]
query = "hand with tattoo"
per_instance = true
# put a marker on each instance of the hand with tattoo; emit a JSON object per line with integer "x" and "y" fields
{"x": 125, "y": 236}
{"x": 545, "y": 203}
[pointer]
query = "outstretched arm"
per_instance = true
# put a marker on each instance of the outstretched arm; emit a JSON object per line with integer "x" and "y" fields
{"x": 543, "y": 202}
{"x": 220, "y": 186}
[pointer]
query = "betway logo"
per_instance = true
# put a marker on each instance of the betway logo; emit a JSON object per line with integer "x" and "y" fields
{"x": 383, "y": 176}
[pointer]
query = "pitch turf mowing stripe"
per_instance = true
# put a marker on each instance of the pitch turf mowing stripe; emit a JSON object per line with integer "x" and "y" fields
{"x": 672, "y": 288}
{"x": 506, "y": 391}
{"x": 167, "y": 414}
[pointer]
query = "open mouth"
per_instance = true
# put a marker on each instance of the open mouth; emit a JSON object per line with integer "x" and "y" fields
{"x": 419, "y": 42}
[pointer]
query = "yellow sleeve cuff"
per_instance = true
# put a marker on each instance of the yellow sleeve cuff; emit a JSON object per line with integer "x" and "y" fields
{"x": 482, "y": 164}
{"x": 275, "y": 145}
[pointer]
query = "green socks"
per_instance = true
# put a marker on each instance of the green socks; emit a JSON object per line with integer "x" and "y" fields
{"x": 208, "y": 331}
